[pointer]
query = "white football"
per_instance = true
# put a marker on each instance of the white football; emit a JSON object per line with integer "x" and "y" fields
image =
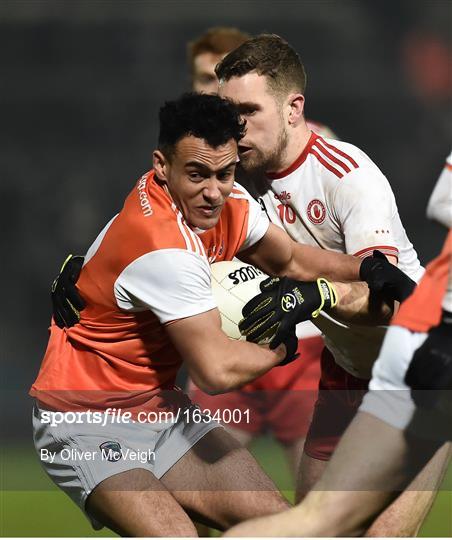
{"x": 234, "y": 283}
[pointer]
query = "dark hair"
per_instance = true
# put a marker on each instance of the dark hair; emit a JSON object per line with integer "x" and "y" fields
{"x": 205, "y": 116}
{"x": 269, "y": 55}
{"x": 217, "y": 40}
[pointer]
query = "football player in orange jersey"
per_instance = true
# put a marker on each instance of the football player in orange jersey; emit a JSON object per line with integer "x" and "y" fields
{"x": 146, "y": 282}
{"x": 282, "y": 400}
{"x": 397, "y": 430}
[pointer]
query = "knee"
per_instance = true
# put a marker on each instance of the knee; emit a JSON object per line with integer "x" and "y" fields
{"x": 141, "y": 513}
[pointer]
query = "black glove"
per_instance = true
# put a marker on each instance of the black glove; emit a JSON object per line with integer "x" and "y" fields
{"x": 430, "y": 369}
{"x": 66, "y": 301}
{"x": 272, "y": 315}
{"x": 385, "y": 278}
{"x": 291, "y": 343}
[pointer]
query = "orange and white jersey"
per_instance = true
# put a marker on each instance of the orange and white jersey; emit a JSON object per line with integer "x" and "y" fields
{"x": 423, "y": 309}
{"x": 146, "y": 269}
{"x": 336, "y": 198}
{"x": 447, "y": 300}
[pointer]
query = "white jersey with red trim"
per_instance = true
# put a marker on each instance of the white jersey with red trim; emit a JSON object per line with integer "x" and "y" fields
{"x": 440, "y": 204}
{"x": 336, "y": 198}
{"x": 440, "y": 209}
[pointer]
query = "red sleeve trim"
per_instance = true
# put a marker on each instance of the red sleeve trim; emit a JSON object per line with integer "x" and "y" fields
{"x": 387, "y": 250}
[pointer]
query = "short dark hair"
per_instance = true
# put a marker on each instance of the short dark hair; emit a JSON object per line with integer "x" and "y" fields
{"x": 205, "y": 116}
{"x": 269, "y": 55}
{"x": 217, "y": 40}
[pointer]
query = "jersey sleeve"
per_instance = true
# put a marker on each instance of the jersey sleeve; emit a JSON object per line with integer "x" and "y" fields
{"x": 269, "y": 209}
{"x": 172, "y": 283}
{"x": 258, "y": 222}
{"x": 365, "y": 208}
{"x": 440, "y": 204}
{"x": 447, "y": 300}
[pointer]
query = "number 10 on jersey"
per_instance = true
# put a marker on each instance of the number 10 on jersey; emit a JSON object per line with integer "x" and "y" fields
{"x": 286, "y": 213}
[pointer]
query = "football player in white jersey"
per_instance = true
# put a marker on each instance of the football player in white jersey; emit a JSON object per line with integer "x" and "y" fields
{"x": 329, "y": 194}
{"x": 396, "y": 431}
{"x": 277, "y": 398}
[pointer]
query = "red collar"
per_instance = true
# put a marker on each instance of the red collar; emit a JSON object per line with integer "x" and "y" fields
{"x": 299, "y": 161}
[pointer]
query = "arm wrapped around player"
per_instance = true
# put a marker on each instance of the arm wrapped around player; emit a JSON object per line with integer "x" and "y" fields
{"x": 66, "y": 301}
{"x": 270, "y": 316}
{"x": 385, "y": 278}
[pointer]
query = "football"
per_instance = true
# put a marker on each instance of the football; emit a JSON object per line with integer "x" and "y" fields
{"x": 234, "y": 283}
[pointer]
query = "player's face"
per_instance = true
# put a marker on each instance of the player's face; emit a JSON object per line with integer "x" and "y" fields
{"x": 264, "y": 144}
{"x": 204, "y": 79}
{"x": 200, "y": 179}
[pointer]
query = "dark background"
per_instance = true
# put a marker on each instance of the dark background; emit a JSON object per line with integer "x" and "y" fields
{"x": 81, "y": 83}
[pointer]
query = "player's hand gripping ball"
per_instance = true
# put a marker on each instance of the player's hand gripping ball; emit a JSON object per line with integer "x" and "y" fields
{"x": 234, "y": 283}
{"x": 281, "y": 305}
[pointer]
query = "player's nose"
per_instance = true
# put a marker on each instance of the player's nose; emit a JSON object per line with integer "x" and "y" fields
{"x": 212, "y": 191}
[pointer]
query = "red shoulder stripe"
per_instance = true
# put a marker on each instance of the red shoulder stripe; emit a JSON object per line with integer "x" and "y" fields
{"x": 331, "y": 157}
{"x": 340, "y": 152}
{"x": 325, "y": 163}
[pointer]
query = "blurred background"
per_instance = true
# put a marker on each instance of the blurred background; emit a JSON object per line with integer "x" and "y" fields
{"x": 81, "y": 85}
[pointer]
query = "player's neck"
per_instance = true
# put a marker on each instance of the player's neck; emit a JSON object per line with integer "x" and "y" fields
{"x": 297, "y": 141}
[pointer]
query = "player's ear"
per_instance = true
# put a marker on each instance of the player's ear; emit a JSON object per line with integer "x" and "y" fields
{"x": 160, "y": 164}
{"x": 296, "y": 108}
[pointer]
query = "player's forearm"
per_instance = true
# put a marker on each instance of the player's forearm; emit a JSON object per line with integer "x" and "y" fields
{"x": 236, "y": 364}
{"x": 308, "y": 518}
{"x": 356, "y": 305}
{"x": 278, "y": 255}
{"x": 342, "y": 507}
{"x": 216, "y": 363}
{"x": 308, "y": 263}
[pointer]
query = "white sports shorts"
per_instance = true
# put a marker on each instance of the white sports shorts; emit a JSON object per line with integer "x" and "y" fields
{"x": 389, "y": 397}
{"x": 79, "y": 456}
